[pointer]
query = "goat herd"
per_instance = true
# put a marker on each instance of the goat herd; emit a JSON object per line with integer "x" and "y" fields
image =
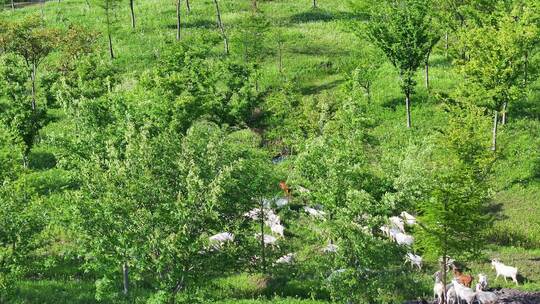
{"x": 457, "y": 292}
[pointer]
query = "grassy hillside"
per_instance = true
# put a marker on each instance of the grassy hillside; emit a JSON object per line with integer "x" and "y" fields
{"x": 319, "y": 50}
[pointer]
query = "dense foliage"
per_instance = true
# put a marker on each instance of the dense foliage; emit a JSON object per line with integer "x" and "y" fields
{"x": 143, "y": 163}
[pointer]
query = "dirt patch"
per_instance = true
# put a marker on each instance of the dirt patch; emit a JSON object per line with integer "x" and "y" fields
{"x": 512, "y": 296}
{"x": 505, "y": 296}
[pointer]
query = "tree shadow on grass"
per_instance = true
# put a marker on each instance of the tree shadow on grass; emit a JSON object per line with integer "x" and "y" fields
{"x": 319, "y": 15}
{"x": 315, "y": 89}
{"x": 198, "y": 23}
{"x": 526, "y": 109}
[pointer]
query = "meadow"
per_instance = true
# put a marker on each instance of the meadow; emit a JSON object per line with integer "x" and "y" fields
{"x": 319, "y": 50}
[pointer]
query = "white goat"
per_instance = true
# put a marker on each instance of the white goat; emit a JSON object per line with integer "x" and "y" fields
{"x": 268, "y": 239}
{"x": 252, "y": 214}
{"x": 438, "y": 288}
{"x": 314, "y": 212}
{"x": 397, "y": 222}
{"x": 404, "y": 239}
{"x": 286, "y": 259}
{"x": 414, "y": 259}
{"x": 486, "y": 297}
{"x": 330, "y": 248}
{"x": 451, "y": 297}
{"x": 278, "y": 229}
{"x": 464, "y": 293}
{"x": 505, "y": 271}
{"x": 217, "y": 240}
{"x": 409, "y": 219}
{"x": 282, "y": 202}
{"x": 482, "y": 282}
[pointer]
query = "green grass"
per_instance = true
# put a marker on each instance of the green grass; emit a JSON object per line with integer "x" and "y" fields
{"x": 316, "y": 47}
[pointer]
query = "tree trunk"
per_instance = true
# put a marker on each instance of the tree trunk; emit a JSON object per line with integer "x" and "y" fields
{"x": 314, "y": 3}
{"x": 42, "y": 12}
{"x": 408, "y": 108}
{"x": 494, "y": 131}
{"x": 427, "y": 70}
{"x": 254, "y": 5}
{"x": 125, "y": 273}
{"x": 188, "y": 7}
{"x": 526, "y": 68}
{"x": 33, "y": 79}
{"x": 132, "y": 13}
{"x": 12, "y": 5}
{"x": 505, "y": 106}
{"x": 280, "y": 54}
{"x": 368, "y": 92}
{"x": 263, "y": 247}
{"x": 178, "y": 23}
{"x": 222, "y": 29}
{"x": 108, "y": 19}
{"x": 446, "y": 44}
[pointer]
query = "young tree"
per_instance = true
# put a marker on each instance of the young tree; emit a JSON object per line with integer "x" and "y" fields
{"x": 32, "y": 42}
{"x": 402, "y": 30}
{"x": 132, "y": 11}
{"x": 454, "y": 216}
{"x": 221, "y": 28}
{"x": 109, "y": 7}
{"x": 366, "y": 70}
{"x": 178, "y": 20}
{"x": 494, "y": 71}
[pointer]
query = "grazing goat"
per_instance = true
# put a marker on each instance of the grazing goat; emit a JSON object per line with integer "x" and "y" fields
{"x": 278, "y": 229}
{"x": 330, "y": 248}
{"x": 285, "y": 188}
{"x": 438, "y": 288}
{"x": 451, "y": 297}
{"x": 217, "y": 240}
{"x": 414, "y": 259}
{"x": 268, "y": 239}
{"x": 482, "y": 282}
{"x": 505, "y": 271}
{"x": 486, "y": 297}
{"x": 404, "y": 239}
{"x": 463, "y": 293}
{"x": 398, "y": 223}
{"x": 409, "y": 219}
{"x": 463, "y": 279}
{"x": 314, "y": 212}
{"x": 282, "y": 202}
{"x": 286, "y": 259}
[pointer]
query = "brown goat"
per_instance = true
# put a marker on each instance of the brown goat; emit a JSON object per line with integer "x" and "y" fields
{"x": 463, "y": 279}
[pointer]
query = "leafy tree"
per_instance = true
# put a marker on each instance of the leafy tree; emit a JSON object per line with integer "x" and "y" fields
{"x": 336, "y": 170}
{"x": 252, "y": 36}
{"x": 366, "y": 70}
{"x": 32, "y": 42}
{"x": 454, "y": 216}
{"x": 16, "y": 112}
{"x": 198, "y": 87}
{"x": 402, "y": 30}
{"x": 109, "y": 7}
{"x": 221, "y": 27}
{"x": 496, "y": 61}
{"x": 22, "y": 216}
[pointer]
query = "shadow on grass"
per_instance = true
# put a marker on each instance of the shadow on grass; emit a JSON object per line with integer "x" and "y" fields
{"x": 316, "y": 89}
{"x": 506, "y": 237}
{"x": 54, "y": 292}
{"x": 319, "y": 15}
{"x": 198, "y": 23}
{"x": 41, "y": 160}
